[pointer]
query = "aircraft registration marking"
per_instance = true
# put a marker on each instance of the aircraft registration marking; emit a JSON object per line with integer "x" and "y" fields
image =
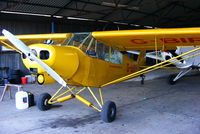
{"x": 167, "y": 40}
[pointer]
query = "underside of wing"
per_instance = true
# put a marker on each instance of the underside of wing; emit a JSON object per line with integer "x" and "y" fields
{"x": 149, "y": 39}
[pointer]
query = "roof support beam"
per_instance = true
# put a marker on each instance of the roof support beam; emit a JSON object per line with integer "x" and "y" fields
{"x": 119, "y": 8}
{"x": 132, "y": 11}
{"x": 186, "y": 16}
{"x": 59, "y": 10}
{"x": 14, "y": 5}
{"x": 192, "y": 9}
{"x": 154, "y": 13}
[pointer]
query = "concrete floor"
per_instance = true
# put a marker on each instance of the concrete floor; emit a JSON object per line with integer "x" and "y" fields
{"x": 152, "y": 108}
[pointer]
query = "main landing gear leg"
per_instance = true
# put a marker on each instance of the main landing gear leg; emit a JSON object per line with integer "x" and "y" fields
{"x": 142, "y": 79}
{"x": 107, "y": 110}
{"x": 172, "y": 79}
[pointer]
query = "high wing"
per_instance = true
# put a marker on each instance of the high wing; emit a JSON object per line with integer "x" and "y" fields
{"x": 58, "y": 38}
{"x": 149, "y": 39}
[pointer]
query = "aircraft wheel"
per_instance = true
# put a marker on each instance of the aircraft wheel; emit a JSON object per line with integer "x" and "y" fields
{"x": 171, "y": 78}
{"x": 109, "y": 111}
{"x": 42, "y": 102}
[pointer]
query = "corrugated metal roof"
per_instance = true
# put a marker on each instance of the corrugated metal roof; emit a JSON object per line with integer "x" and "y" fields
{"x": 57, "y": 3}
{"x": 34, "y": 9}
{"x": 161, "y": 13}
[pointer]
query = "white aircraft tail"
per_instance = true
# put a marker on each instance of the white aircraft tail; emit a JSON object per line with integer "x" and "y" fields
{"x": 193, "y": 61}
{"x": 166, "y": 55}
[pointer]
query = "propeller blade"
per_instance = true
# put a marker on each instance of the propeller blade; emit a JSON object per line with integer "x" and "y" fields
{"x": 23, "y": 48}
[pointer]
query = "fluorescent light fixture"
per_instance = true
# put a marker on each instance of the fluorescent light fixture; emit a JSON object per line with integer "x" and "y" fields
{"x": 148, "y": 26}
{"x": 119, "y": 5}
{"x": 75, "y": 18}
{"x": 135, "y": 25}
{"x": 21, "y": 13}
{"x": 121, "y": 23}
{"x": 59, "y": 17}
{"x": 102, "y": 21}
{"x": 31, "y": 14}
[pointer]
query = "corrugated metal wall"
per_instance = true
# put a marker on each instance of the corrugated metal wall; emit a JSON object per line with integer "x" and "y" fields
{"x": 24, "y": 27}
{"x": 11, "y": 60}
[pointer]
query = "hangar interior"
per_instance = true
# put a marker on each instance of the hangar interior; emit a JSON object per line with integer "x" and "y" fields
{"x": 36, "y": 17}
{"x": 65, "y": 16}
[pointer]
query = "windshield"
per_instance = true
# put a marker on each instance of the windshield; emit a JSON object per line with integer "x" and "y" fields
{"x": 77, "y": 39}
{"x": 94, "y": 48}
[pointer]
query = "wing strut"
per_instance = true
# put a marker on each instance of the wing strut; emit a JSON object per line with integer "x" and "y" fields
{"x": 154, "y": 67}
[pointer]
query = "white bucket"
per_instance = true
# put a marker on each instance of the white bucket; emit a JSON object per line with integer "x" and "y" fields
{"x": 21, "y": 98}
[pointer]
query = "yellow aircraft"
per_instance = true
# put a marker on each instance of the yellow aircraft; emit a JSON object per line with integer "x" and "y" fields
{"x": 90, "y": 61}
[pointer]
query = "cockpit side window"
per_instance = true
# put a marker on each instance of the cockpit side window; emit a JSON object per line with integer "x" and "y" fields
{"x": 108, "y": 54}
{"x": 77, "y": 39}
{"x": 44, "y": 55}
{"x": 94, "y": 48}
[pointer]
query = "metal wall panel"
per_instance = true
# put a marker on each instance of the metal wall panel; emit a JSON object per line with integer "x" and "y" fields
{"x": 24, "y": 27}
{"x": 12, "y": 60}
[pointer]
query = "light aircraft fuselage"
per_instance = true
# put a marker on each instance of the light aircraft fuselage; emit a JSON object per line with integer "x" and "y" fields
{"x": 77, "y": 67}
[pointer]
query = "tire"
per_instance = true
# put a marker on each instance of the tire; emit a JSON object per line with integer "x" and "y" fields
{"x": 108, "y": 112}
{"x": 42, "y": 102}
{"x": 170, "y": 79}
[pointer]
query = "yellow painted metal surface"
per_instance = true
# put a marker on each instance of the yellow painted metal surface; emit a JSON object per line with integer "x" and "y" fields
{"x": 148, "y": 38}
{"x": 68, "y": 97}
{"x": 40, "y": 79}
{"x": 45, "y": 79}
{"x": 33, "y": 64}
{"x": 83, "y": 100}
{"x": 58, "y": 38}
{"x": 64, "y": 60}
{"x": 77, "y": 68}
{"x": 95, "y": 72}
